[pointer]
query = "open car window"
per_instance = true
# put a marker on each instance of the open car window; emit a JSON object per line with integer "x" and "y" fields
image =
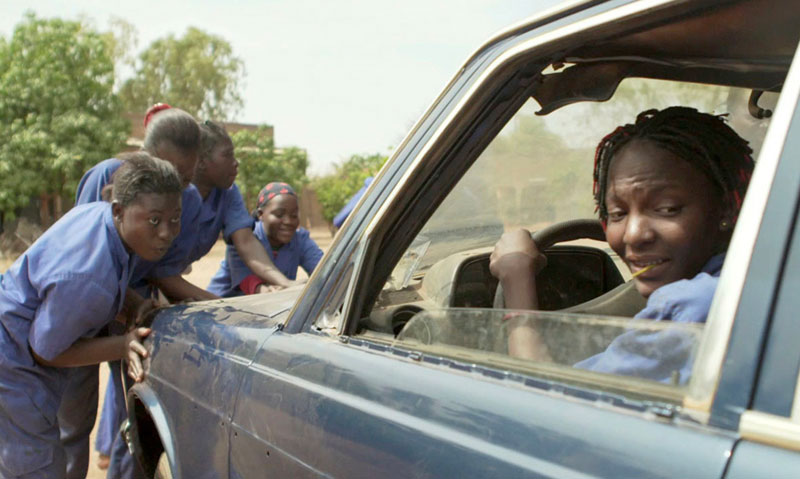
{"x": 537, "y": 172}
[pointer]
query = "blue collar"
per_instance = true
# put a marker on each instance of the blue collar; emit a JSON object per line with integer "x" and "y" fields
{"x": 714, "y": 265}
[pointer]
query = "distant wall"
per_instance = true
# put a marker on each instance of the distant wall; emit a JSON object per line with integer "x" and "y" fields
{"x": 311, "y": 211}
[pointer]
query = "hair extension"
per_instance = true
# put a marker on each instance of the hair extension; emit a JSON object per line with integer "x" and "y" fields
{"x": 704, "y": 140}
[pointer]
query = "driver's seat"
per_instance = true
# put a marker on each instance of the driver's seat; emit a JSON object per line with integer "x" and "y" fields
{"x": 624, "y": 300}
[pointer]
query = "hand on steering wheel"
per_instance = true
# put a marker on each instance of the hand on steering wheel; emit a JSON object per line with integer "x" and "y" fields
{"x": 514, "y": 253}
{"x": 533, "y": 245}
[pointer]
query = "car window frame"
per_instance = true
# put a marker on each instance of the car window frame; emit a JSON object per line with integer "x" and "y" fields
{"x": 769, "y": 420}
{"x": 438, "y": 145}
{"x": 558, "y": 22}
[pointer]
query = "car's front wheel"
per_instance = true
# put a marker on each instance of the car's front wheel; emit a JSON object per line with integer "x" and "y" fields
{"x": 163, "y": 471}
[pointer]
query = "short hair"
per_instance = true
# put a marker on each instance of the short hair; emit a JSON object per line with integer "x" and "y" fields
{"x": 171, "y": 126}
{"x": 141, "y": 173}
{"x": 211, "y": 135}
{"x": 703, "y": 140}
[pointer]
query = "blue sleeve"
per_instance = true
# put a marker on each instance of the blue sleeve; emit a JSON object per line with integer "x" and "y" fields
{"x": 238, "y": 269}
{"x": 73, "y": 306}
{"x": 660, "y": 355}
{"x": 310, "y": 253}
{"x": 342, "y": 215}
{"x": 90, "y": 188}
{"x": 236, "y": 215}
{"x": 664, "y": 355}
{"x": 220, "y": 283}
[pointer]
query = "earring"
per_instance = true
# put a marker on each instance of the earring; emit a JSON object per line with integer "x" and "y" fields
{"x": 724, "y": 224}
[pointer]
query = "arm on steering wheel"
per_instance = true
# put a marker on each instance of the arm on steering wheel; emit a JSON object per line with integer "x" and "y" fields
{"x": 515, "y": 261}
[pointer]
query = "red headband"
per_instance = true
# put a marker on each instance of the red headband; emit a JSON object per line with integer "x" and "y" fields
{"x": 153, "y": 110}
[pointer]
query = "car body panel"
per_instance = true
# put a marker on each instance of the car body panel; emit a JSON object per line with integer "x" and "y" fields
{"x": 203, "y": 350}
{"x": 323, "y": 408}
{"x": 759, "y": 460}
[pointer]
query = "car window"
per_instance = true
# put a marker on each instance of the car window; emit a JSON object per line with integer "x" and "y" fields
{"x": 535, "y": 173}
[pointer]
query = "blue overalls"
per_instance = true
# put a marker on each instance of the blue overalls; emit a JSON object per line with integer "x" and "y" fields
{"x": 301, "y": 251}
{"x": 78, "y": 409}
{"x": 59, "y": 290}
{"x": 222, "y": 211}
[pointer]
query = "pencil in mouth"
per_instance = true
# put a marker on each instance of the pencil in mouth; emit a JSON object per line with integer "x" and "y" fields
{"x": 643, "y": 270}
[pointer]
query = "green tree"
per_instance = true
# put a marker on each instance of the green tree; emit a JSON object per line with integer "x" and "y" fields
{"x": 333, "y": 191}
{"x": 260, "y": 163}
{"x": 122, "y": 39}
{"x": 57, "y": 108}
{"x": 197, "y": 72}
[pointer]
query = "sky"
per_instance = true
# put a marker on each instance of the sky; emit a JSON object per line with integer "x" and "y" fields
{"x": 336, "y": 77}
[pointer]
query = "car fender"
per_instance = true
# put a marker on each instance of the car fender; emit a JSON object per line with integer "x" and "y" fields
{"x": 143, "y": 400}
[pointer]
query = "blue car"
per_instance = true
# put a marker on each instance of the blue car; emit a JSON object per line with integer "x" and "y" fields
{"x": 393, "y": 360}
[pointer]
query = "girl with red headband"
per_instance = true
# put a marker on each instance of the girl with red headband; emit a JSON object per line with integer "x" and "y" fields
{"x": 668, "y": 190}
{"x": 277, "y": 231}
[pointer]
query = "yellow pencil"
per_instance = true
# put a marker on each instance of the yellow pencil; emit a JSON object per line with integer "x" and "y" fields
{"x": 643, "y": 270}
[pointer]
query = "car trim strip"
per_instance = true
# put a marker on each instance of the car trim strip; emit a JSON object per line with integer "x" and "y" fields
{"x": 770, "y": 429}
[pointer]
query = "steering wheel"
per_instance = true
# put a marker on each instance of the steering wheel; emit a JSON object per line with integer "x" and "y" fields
{"x": 557, "y": 233}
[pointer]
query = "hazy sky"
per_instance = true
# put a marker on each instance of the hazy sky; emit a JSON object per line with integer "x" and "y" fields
{"x": 335, "y": 77}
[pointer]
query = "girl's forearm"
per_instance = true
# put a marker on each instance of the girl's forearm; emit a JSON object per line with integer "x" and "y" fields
{"x": 177, "y": 288}
{"x": 255, "y": 257}
{"x": 85, "y": 352}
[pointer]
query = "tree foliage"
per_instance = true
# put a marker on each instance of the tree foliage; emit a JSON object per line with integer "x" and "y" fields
{"x": 333, "y": 191}
{"x": 260, "y": 163}
{"x": 57, "y": 108}
{"x": 197, "y": 72}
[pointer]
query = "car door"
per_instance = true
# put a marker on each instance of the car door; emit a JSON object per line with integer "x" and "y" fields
{"x": 329, "y": 396}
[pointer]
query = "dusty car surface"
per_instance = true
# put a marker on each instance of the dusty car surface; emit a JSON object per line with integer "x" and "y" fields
{"x": 391, "y": 361}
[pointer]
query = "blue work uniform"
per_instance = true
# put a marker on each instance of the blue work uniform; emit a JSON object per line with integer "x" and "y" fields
{"x": 78, "y": 410}
{"x": 342, "y": 215}
{"x": 111, "y": 418}
{"x": 68, "y": 285}
{"x": 300, "y": 251}
{"x": 666, "y": 355}
{"x": 223, "y": 210}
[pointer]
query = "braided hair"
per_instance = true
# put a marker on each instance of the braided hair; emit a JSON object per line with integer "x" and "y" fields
{"x": 704, "y": 140}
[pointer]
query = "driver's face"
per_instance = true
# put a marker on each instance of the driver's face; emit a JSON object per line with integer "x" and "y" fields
{"x": 662, "y": 211}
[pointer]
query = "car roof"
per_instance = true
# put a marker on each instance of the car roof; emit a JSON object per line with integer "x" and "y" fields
{"x": 744, "y": 43}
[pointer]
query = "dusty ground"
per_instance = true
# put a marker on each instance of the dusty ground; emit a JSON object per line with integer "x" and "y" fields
{"x": 201, "y": 274}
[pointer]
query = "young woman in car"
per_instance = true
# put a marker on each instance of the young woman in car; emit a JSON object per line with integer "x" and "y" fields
{"x": 668, "y": 189}
{"x": 276, "y": 228}
{"x": 57, "y": 297}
